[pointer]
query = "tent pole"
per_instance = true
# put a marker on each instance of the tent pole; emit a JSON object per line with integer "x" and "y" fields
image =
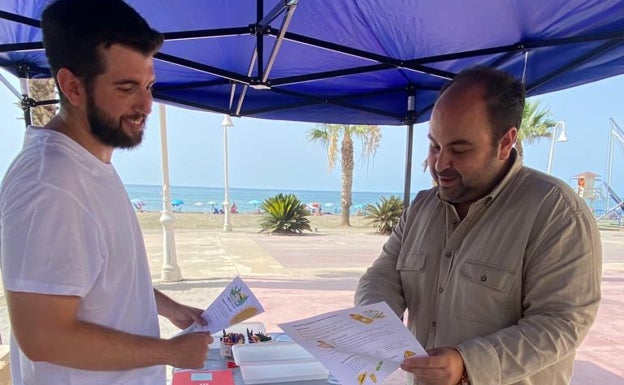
{"x": 170, "y": 271}
{"x": 278, "y": 42}
{"x": 27, "y": 102}
{"x": 408, "y": 165}
{"x": 8, "y": 85}
{"x": 260, "y": 39}
{"x": 410, "y": 118}
{"x": 23, "y": 97}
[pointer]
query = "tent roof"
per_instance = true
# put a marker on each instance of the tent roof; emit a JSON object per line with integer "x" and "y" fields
{"x": 349, "y": 61}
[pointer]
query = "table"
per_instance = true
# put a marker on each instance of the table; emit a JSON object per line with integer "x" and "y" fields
{"x": 215, "y": 361}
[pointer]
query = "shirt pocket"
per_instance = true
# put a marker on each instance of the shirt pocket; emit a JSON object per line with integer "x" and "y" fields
{"x": 411, "y": 266}
{"x": 486, "y": 290}
{"x": 411, "y": 262}
{"x": 489, "y": 276}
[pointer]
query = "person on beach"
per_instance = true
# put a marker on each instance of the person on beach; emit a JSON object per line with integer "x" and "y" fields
{"x": 498, "y": 265}
{"x": 75, "y": 271}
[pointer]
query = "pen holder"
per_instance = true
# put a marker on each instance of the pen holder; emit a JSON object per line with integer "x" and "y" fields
{"x": 228, "y": 341}
{"x": 226, "y": 349}
{"x": 254, "y": 338}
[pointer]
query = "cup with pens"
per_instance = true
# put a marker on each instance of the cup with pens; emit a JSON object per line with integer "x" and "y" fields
{"x": 228, "y": 340}
{"x": 254, "y": 338}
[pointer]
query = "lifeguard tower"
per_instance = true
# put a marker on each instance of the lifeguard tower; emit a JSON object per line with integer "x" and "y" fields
{"x": 588, "y": 187}
{"x": 585, "y": 186}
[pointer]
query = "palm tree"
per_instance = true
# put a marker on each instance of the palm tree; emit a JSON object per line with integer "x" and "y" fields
{"x": 329, "y": 135}
{"x": 536, "y": 124}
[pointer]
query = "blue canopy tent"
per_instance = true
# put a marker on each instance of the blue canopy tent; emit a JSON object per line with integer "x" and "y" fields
{"x": 349, "y": 61}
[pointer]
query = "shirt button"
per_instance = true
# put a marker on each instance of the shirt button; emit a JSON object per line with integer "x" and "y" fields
{"x": 483, "y": 278}
{"x": 433, "y": 324}
{"x": 441, "y": 289}
{"x": 448, "y": 254}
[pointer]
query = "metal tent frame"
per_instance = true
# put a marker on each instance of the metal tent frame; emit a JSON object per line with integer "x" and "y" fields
{"x": 350, "y": 62}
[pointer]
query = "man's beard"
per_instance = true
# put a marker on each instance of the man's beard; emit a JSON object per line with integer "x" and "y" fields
{"x": 472, "y": 186}
{"x": 107, "y": 131}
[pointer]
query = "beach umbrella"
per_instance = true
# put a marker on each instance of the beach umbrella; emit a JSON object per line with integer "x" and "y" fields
{"x": 198, "y": 204}
{"x": 138, "y": 204}
{"x": 212, "y": 203}
{"x": 314, "y": 207}
{"x": 177, "y": 204}
{"x": 254, "y": 202}
{"x": 328, "y": 204}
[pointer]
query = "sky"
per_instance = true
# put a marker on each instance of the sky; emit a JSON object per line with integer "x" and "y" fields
{"x": 269, "y": 154}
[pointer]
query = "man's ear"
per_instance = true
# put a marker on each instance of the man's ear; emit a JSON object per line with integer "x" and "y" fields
{"x": 71, "y": 86}
{"x": 507, "y": 142}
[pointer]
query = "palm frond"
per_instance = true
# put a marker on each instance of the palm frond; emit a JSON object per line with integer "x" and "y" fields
{"x": 536, "y": 122}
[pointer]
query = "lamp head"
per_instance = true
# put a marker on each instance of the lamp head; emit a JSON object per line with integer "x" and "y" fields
{"x": 227, "y": 121}
{"x": 562, "y": 137}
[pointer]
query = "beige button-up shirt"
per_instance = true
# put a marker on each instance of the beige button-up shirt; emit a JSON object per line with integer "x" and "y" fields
{"x": 514, "y": 286}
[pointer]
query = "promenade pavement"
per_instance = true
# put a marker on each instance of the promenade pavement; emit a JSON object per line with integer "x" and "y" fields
{"x": 300, "y": 276}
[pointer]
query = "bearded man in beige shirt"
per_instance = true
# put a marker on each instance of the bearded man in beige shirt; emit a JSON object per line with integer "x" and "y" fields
{"x": 498, "y": 265}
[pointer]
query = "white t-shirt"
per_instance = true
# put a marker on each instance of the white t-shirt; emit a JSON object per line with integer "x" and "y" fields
{"x": 67, "y": 227}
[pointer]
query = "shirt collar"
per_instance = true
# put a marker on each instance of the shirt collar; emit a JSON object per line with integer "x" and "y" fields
{"x": 516, "y": 165}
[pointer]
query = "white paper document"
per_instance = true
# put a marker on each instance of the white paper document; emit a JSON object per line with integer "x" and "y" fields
{"x": 361, "y": 345}
{"x": 235, "y": 304}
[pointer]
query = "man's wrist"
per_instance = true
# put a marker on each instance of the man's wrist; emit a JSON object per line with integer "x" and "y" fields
{"x": 464, "y": 380}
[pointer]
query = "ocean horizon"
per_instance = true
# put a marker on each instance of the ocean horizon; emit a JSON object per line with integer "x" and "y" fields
{"x": 206, "y": 199}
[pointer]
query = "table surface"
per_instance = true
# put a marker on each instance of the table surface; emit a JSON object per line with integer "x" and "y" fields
{"x": 215, "y": 361}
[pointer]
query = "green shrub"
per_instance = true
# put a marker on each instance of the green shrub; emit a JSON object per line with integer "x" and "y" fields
{"x": 284, "y": 214}
{"x": 385, "y": 214}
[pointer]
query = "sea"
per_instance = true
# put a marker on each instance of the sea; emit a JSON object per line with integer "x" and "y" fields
{"x": 206, "y": 199}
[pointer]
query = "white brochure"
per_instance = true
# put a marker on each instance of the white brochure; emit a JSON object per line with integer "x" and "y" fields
{"x": 235, "y": 304}
{"x": 361, "y": 345}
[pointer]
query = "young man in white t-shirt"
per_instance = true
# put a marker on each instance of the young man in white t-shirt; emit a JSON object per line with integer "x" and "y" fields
{"x": 74, "y": 266}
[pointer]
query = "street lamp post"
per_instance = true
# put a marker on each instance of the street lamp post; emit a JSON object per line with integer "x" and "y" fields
{"x": 226, "y": 123}
{"x": 170, "y": 271}
{"x": 562, "y": 138}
